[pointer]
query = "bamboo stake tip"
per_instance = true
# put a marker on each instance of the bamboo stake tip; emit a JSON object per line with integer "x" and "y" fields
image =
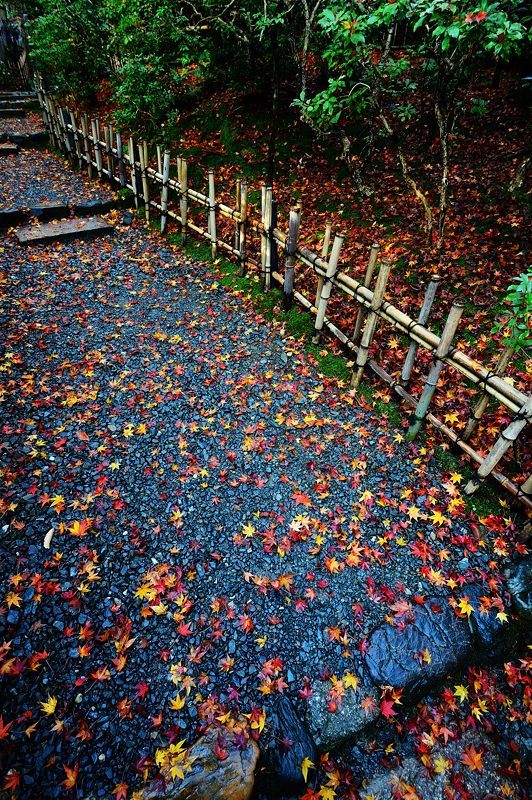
{"x": 435, "y": 278}
{"x": 375, "y": 246}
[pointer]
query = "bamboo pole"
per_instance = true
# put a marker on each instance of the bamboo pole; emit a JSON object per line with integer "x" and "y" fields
{"x": 371, "y": 323}
{"x": 86, "y": 144}
{"x": 243, "y": 224}
{"x": 263, "y": 233}
{"x": 327, "y": 286}
{"x": 120, "y": 158}
{"x": 506, "y": 439}
{"x": 212, "y": 214}
{"x": 482, "y": 403}
{"x": 164, "y": 191}
{"x": 134, "y": 172}
{"x": 290, "y": 260}
{"x": 428, "y": 301}
{"x": 274, "y": 247}
{"x": 183, "y": 197}
{"x": 373, "y": 255}
{"x": 324, "y": 253}
{"x": 159, "y": 160}
{"x": 267, "y": 276}
{"x": 107, "y": 144}
{"x": 95, "y": 125}
{"x": 238, "y": 197}
{"x": 65, "y": 116}
{"x": 77, "y": 143}
{"x": 432, "y": 379}
{"x": 143, "y": 152}
{"x": 111, "y": 155}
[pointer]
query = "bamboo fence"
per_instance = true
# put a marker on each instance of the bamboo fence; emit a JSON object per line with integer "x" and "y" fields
{"x": 153, "y": 189}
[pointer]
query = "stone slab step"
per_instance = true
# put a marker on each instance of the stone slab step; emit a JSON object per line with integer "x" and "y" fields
{"x": 53, "y": 210}
{"x": 8, "y": 149}
{"x": 25, "y": 139}
{"x": 23, "y": 102}
{"x": 67, "y": 229}
{"x": 12, "y": 112}
{"x": 6, "y": 95}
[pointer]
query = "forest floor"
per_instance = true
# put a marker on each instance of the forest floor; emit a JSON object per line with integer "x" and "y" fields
{"x": 197, "y": 521}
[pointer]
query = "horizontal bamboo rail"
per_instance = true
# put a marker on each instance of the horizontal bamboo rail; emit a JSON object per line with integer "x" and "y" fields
{"x": 129, "y": 167}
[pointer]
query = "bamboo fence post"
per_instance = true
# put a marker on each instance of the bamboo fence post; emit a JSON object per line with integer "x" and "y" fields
{"x": 95, "y": 125}
{"x": 107, "y": 142}
{"x": 274, "y": 245}
{"x": 263, "y": 233}
{"x": 212, "y": 214}
{"x": 290, "y": 260}
{"x": 51, "y": 122}
{"x": 373, "y": 255}
{"x": 267, "y": 277}
{"x": 120, "y": 159}
{"x": 243, "y": 226}
{"x": 111, "y": 154}
{"x": 65, "y": 117}
{"x": 238, "y": 197}
{"x": 371, "y": 322}
{"x": 135, "y": 181}
{"x": 143, "y": 152}
{"x": 324, "y": 252}
{"x": 482, "y": 403}
{"x": 428, "y": 301}
{"x": 164, "y": 191}
{"x": 159, "y": 160}
{"x": 183, "y": 200}
{"x": 86, "y": 144}
{"x": 77, "y": 143}
{"x": 432, "y": 379}
{"x": 326, "y": 288}
{"x": 506, "y": 439}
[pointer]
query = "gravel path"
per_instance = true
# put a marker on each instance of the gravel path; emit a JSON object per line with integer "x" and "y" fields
{"x": 31, "y": 177}
{"x": 197, "y": 520}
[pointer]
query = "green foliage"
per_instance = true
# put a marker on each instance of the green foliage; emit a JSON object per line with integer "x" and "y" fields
{"x": 517, "y": 322}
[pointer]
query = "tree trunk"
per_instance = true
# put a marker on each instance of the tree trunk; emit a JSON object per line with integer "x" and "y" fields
{"x": 274, "y": 123}
{"x": 442, "y": 117}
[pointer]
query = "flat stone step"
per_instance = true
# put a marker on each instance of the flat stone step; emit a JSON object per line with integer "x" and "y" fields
{"x": 5, "y": 95}
{"x": 90, "y": 227}
{"x": 54, "y": 209}
{"x": 12, "y": 112}
{"x": 22, "y": 102}
{"x": 26, "y": 139}
{"x": 8, "y": 149}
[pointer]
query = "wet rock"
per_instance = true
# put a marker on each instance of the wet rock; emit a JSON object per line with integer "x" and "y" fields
{"x": 399, "y": 657}
{"x": 493, "y": 637}
{"x": 334, "y": 726}
{"x": 289, "y": 743}
{"x": 520, "y": 585}
{"x": 211, "y": 778}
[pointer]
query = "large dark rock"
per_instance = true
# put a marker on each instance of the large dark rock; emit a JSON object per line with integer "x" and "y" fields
{"x": 494, "y": 637}
{"x": 211, "y": 778}
{"x": 520, "y": 585}
{"x": 395, "y": 655}
{"x": 335, "y": 727}
{"x": 289, "y": 743}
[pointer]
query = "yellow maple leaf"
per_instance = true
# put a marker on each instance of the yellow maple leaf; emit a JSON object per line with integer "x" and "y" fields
{"x": 441, "y": 764}
{"x": 177, "y": 703}
{"x": 350, "y": 680}
{"x": 48, "y": 706}
{"x": 306, "y": 764}
{"x": 461, "y": 692}
{"x": 465, "y": 606}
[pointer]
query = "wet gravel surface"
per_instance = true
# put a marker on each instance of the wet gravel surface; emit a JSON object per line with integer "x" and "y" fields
{"x": 30, "y": 177}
